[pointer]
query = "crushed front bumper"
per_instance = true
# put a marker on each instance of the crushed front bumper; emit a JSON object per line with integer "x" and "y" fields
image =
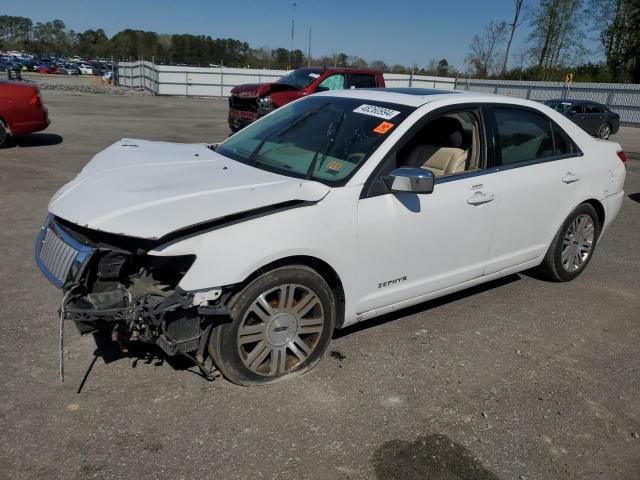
{"x": 241, "y": 118}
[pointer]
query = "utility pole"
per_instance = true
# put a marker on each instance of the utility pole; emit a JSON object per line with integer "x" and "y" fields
{"x": 293, "y": 22}
{"x": 309, "y": 49}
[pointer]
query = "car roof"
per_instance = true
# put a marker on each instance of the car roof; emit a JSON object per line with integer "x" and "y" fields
{"x": 573, "y": 101}
{"x": 416, "y": 97}
{"x": 338, "y": 69}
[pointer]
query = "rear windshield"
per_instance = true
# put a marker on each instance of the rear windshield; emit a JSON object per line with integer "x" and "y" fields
{"x": 301, "y": 78}
{"x": 321, "y": 138}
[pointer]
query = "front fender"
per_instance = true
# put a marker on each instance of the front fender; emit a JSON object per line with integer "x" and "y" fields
{"x": 229, "y": 255}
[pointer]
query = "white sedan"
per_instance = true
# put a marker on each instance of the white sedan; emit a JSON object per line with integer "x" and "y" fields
{"x": 86, "y": 69}
{"x": 335, "y": 209}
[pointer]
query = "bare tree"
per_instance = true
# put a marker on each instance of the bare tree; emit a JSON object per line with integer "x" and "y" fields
{"x": 484, "y": 53}
{"x": 513, "y": 25}
{"x": 557, "y": 37}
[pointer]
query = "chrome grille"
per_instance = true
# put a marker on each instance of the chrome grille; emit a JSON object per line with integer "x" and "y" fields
{"x": 56, "y": 256}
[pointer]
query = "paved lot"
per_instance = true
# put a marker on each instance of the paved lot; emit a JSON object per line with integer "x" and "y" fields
{"x": 517, "y": 379}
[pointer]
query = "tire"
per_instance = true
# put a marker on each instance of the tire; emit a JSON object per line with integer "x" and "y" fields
{"x": 604, "y": 132}
{"x": 4, "y": 135}
{"x": 281, "y": 325}
{"x": 572, "y": 248}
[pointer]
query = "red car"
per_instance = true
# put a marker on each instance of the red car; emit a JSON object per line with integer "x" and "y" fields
{"x": 43, "y": 69}
{"x": 251, "y": 101}
{"x": 21, "y": 110}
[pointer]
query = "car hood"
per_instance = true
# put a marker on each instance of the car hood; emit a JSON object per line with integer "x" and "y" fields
{"x": 252, "y": 90}
{"x": 148, "y": 189}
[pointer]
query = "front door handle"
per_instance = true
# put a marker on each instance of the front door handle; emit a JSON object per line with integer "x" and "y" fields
{"x": 479, "y": 198}
{"x": 570, "y": 178}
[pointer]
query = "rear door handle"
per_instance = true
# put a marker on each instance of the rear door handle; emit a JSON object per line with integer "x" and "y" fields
{"x": 570, "y": 178}
{"x": 479, "y": 198}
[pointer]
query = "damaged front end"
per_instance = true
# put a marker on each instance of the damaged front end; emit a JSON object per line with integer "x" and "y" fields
{"x": 112, "y": 284}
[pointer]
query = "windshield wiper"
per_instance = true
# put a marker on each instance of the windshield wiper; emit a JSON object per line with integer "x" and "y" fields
{"x": 253, "y": 158}
{"x": 332, "y": 140}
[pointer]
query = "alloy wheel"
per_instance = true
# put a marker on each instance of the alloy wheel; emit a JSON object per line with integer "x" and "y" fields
{"x": 605, "y": 131}
{"x": 280, "y": 329}
{"x": 578, "y": 243}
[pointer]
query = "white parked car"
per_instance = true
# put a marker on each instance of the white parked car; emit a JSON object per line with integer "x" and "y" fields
{"x": 332, "y": 210}
{"x": 86, "y": 69}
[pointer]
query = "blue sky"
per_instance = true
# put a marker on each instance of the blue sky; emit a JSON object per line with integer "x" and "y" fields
{"x": 395, "y": 31}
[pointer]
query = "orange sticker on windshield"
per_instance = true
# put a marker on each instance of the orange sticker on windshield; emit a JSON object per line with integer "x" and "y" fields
{"x": 383, "y": 128}
{"x": 335, "y": 166}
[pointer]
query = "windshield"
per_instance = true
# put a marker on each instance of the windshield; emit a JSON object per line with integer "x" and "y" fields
{"x": 320, "y": 138}
{"x": 301, "y": 78}
{"x": 559, "y": 106}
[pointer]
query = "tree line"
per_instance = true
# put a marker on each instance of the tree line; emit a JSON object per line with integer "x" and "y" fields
{"x": 53, "y": 38}
{"x": 555, "y": 43}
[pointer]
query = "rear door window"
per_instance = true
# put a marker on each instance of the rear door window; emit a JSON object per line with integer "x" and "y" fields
{"x": 522, "y": 136}
{"x": 575, "y": 109}
{"x": 592, "y": 108}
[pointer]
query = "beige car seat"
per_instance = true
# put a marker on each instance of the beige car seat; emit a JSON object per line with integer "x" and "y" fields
{"x": 442, "y": 148}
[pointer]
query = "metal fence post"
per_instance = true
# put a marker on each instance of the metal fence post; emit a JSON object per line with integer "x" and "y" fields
{"x": 610, "y": 98}
{"x": 221, "y": 82}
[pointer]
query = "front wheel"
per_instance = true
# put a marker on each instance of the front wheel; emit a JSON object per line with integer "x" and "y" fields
{"x": 573, "y": 245}
{"x": 281, "y": 325}
{"x": 3, "y": 134}
{"x": 604, "y": 132}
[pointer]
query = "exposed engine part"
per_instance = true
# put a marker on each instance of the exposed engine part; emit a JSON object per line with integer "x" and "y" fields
{"x": 119, "y": 288}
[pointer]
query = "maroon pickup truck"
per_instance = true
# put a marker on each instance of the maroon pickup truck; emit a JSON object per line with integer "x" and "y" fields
{"x": 251, "y": 101}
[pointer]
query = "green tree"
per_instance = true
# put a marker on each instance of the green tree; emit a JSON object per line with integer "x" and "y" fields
{"x": 633, "y": 49}
{"x": 92, "y": 43}
{"x": 379, "y": 65}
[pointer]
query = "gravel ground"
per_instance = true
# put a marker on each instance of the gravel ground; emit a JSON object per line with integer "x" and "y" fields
{"x": 517, "y": 379}
{"x": 78, "y": 83}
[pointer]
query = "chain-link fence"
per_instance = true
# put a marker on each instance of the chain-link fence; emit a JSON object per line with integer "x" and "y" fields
{"x": 623, "y": 99}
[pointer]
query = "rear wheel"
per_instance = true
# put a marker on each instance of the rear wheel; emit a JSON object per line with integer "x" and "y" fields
{"x": 282, "y": 323}
{"x": 604, "y": 131}
{"x": 573, "y": 245}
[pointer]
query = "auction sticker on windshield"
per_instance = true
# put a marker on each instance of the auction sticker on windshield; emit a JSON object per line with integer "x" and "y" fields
{"x": 383, "y": 128}
{"x": 376, "y": 111}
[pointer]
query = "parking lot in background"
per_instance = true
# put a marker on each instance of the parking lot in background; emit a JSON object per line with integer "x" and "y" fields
{"x": 516, "y": 379}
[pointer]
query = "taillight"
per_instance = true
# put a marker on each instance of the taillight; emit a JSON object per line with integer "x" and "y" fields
{"x": 622, "y": 156}
{"x": 35, "y": 100}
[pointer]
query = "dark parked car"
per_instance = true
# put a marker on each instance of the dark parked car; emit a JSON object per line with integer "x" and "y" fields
{"x": 12, "y": 69}
{"x": 594, "y": 118}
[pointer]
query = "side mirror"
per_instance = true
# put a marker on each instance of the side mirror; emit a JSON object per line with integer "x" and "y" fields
{"x": 322, "y": 89}
{"x": 410, "y": 180}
